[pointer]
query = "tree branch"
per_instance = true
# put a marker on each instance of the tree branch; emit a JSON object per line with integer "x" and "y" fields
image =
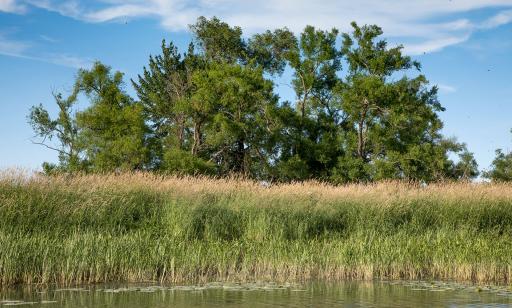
{"x": 50, "y": 147}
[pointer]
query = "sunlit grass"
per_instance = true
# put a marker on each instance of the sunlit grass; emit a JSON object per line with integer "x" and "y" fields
{"x": 144, "y": 227}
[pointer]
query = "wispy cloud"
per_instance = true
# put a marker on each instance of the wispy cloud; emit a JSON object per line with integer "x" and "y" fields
{"x": 499, "y": 19}
{"x": 121, "y": 11}
{"x": 22, "y": 49}
{"x": 66, "y": 60}
{"x": 69, "y": 8}
{"x": 446, "y": 88}
{"x": 457, "y": 32}
{"x": 46, "y": 38}
{"x": 11, "y": 47}
{"x": 404, "y": 19}
{"x": 434, "y": 45}
{"x": 11, "y": 6}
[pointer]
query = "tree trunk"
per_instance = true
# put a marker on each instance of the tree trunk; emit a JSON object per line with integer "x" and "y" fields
{"x": 240, "y": 157}
{"x": 361, "y": 139}
{"x": 303, "y": 107}
{"x": 181, "y": 131}
{"x": 197, "y": 137}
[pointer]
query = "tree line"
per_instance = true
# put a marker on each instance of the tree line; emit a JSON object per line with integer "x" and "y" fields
{"x": 214, "y": 110}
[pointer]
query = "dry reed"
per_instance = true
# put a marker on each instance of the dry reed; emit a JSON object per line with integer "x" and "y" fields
{"x": 140, "y": 227}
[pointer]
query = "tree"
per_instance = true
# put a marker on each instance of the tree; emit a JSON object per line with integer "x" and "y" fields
{"x": 184, "y": 103}
{"x": 164, "y": 90}
{"x": 466, "y": 168}
{"x": 214, "y": 111}
{"x": 113, "y": 129}
{"x": 64, "y": 128}
{"x": 391, "y": 127}
{"x": 240, "y": 100}
{"x": 270, "y": 50}
{"x": 312, "y": 132}
{"x": 501, "y": 167}
{"x": 108, "y": 135}
{"x": 218, "y": 41}
{"x": 367, "y": 94}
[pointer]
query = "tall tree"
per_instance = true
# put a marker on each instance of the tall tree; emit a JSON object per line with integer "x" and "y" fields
{"x": 113, "y": 128}
{"x": 368, "y": 94}
{"x": 64, "y": 128}
{"x": 164, "y": 90}
{"x": 218, "y": 41}
{"x": 209, "y": 112}
{"x": 214, "y": 111}
{"x": 313, "y": 129}
{"x": 270, "y": 50}
{"x": 391, "y": 125}
{"x": 241, "y": 101}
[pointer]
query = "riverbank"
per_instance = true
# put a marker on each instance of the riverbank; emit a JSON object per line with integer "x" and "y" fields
{"x": 141, "y": 227}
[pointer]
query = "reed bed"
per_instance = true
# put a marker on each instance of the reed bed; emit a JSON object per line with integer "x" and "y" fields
{"x": 145, "y": 227}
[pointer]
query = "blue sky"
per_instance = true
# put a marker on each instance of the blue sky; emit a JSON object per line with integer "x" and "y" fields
{"x": 465, "y": 47}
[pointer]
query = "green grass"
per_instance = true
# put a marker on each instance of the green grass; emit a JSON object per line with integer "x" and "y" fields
{"x": 140, "y": 227}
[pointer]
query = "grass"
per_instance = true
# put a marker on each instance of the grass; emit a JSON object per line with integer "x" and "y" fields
{"x": 143, "y": 227}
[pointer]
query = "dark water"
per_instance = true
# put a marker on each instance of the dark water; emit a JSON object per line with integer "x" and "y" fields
{"x": 346, "y": 294}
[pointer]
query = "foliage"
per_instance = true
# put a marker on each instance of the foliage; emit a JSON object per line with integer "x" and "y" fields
{"x": 183, "y": 162}
{"x": 108, "y": 135}
{"x": 357, "y": 117}
{"x": 392, "y": 127}
{"x": 64, "y": 128}
{"x": 146, "y": 227}
{"x": 164, "y": 89}
{"x": 241, "y": 100}
{"x": 466, "y": 168}
{"x": 501, "y": 168}
{"x": 113, "y": 128}
{"x": 218, "y": 41}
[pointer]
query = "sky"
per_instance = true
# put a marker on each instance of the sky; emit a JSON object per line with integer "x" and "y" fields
{"x": 465, "y": 47}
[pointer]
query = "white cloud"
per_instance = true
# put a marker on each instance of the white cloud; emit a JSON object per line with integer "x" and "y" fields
{"x": 407, "y": 20}
{"x": 499, "y": 19}
{"x": 114, "y": 12}
{"x": 48, "y": 38}
{"x": 12, "y": 48}
{"x": 446, "y": 88}
{"x": 21, "y": 49}
{"x": 434, "y": 44}
{"x": 66, "y": 60}
{"x": 70, "y": 8}
{"x": 10, "y": 6}
{"x": 57, "y": 59}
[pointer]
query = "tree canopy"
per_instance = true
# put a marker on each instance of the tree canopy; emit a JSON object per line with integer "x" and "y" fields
{"x": 501, "y": 167}
{"x": 362, "y": 111}
{"x": 108, "y": 135}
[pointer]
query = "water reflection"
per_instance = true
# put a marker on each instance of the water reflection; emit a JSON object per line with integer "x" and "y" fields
{"x": 344, "y": 294}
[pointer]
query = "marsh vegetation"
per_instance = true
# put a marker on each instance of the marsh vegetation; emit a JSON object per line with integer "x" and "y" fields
{"x": 145, "y": 227}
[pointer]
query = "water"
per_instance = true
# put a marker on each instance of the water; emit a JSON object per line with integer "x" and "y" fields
{"x": 345, "y": 294}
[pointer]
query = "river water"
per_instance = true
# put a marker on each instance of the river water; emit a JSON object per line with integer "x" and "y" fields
{"x": 344, "y": 294}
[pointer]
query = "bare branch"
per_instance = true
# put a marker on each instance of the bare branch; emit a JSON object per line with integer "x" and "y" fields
{"x": 50, "y": 147}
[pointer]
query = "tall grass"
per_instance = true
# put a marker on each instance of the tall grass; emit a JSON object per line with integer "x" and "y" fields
{"x": 140, "y": 227}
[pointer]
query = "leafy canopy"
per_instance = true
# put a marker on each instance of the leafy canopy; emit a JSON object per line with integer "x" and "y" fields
{"x": 362, "y": 111}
